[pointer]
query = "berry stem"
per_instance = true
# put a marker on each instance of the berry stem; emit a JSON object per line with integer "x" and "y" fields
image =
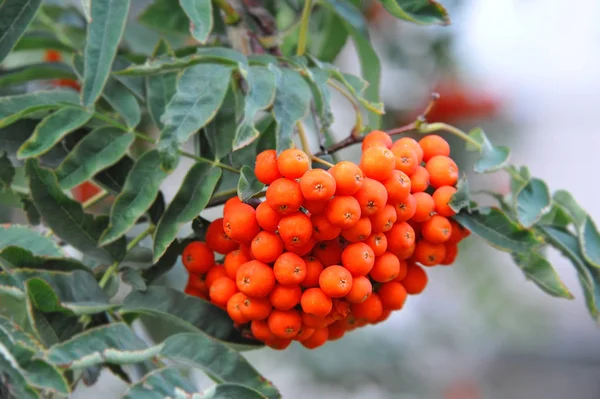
{"x": 321, "y": 161}
{"x": 303, "y": 139}
{"x": 303, "y": 34}
{"x": 434, "y": 127}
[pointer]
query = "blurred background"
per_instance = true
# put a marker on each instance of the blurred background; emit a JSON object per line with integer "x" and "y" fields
{"x": 528, "y": 73}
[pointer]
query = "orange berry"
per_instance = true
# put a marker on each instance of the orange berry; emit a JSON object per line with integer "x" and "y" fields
{"x": 401, "y": 236}
{"x": 221, "y": 290}
{"x": 442, "y": 170}
{"x": 304, "y": 333}
{"x": 386, "y": 268}
{"x": 360, "y": 291}
{"x": 428, "y": 253}
{"x": 233, "y": 261}
{"x": 415, "y": 280}
{"x": 256, "y": 308}
{"x": 230, "y": 203}
{"x": 441, "y": 198}
{"x": 369, "y": 310}
{"x": 255, "y": 279}
{"x": 458, "y": 232}
{"x": 240, "y": 223}
{"x": 312, "y": 321}
{"x": 405, "y": 253}
{"x": 317, "y": 185}
{"x": 402, "y": 270}
{"x": 433, "y": 145}
{"x": 425, "y": 207}
{"x": 406, "y": 158}
{"x": 284, "y": 323}
{"x": 267, "y": 218}
{"x": 265, "y": 168}
{"x": 278, "y": 343}
{"x": 215, "y": 273}
{"x": 348, "y": 177}
{"x": 313, "y": 270}
{"x": 360, "y": 231}
{"x": 384, "y": 219}
{"x": 328, "y": 252}
{"x": 377, "y": 242}
{"x": 316, "y": 302}
{"x": 412, "y": 143}
{"x": 323, "y": 230}
{"x": 392, "y": 295}
{"x": 437, "y": 229}
{"x": 234, "y": 308}
{"x": 377, "y": 163}
{"x": 293, "y": 163}
{"x": 335, "y": 281}
{"x": 419, "y": 181}
{"x": 371, "y": 197}
{"x": 296, "y": 229}
{"x": 197, "y": 257}
{"x": 384, "y": 316}
{"x": 285, "y": 297}
{"x": 302, "y": 250}
{"x": 358, "y": 258}
{"x": 406, "y": 208}
{"x": 318, "y": 338}
{"x": 377, "y": 138}
{"x": 284, "y": 196}
{"x": 451, "y": 253}
{"x": 196, "y": 286}
{"x": 343, "y": 211}
{"x": 336, "y": 330}
{"x": 397, "y": 186}
{"x": 266, "y": 247}
{"x": 315, "y": 207}
{"x": 289, "y": 269}
{"x": 217, "y": 240}
{"x": 260, "y": 330}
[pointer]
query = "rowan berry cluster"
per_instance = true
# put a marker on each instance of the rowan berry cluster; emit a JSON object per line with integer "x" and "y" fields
{"x": 330, "y": 250}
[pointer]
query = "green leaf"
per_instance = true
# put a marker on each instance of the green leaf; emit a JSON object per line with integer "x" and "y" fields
{"x": 191, "y": 199}
{"x": 67, "y": 218}
{"x": 350, "y": 14}
{"x": 114, "y": 343}
{"x": 107, "y": 24}
{"x": 40, "y": 41}
{"x": 219, "y": 133}
{"x": 113, "y": 178}
{"x": 220, "y": 362}
{"x": 200, "y": 14}
{"x": 232, "y": 391}
{"x": 42, "y": 375}
{"x": 589, "y": 276}
{"x": 54, "y": 327}
{"x": 160, "y": 89}
{"x": 52, "y": 129}
{"x": 292, "y": 102}
{"x": 589, "y": 240}
{"x": 31, "y": 212}
{"x": 32, "y": 72}
{"x": 261, "y": 93}
{"x": 139, "y": 192}
{"x": 188, "y": 313}
{"x": 423, "y": 12}
{"x": 532, "y": 201}
{"x": 159, "y": 384}
{"x": 498, "y": 230}
{"x": 15, "y": 17}
{"x": 164, "y": 264}
{"x": 22, "y": 236}
{"x": 134, "y": 84}
{"x": 165, "y": 16}
{"x": 19, "y": 336}
{"x": 321, "y": 97}
{"x": 7, "y": 171}
{"x": 200, "y": 92}
{"x": 462, "y": 197}
{"x": 492, "y": 158}
{"x": 96, "y": 151}
{"x": 539, "y": 270}
{"x": 556, "y": 217}
{"x": 248, "y": 185}
{"x": 13, "y": 108}
{"x": 133, "y": 278}
{"x": 330, "y": 40}
{"x": 14, "y": 384}
{"x": 569, "y": 205}
{"x": 15, "y": 257}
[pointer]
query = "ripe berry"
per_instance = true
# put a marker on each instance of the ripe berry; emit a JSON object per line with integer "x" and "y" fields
{"x": 267, "y": 218}
{"x": 406, "y": 158}
{"x": 284, "y": 196}
{"x": 233, "y": 261}
{"x": 197, "y": 257}
{"x": 315, "y": 207}
{"x": 425, "y": 207}
{"x": 196, "y": 286}
{"x": 292, "y": 163}
{"x": 316, "y": 302}
{"x": 278, "y": 343}
{"x": 256, "y": 308}
{"x": 285, "y": 297}
{"x": 399, "y": 237}
{"x": 318, "y": 338}
{"x": 415, "y": 280}
{"x": 304, "y": 333}
{"x": 215, "y": 273}
{"x": 266, "y": 247}
{"x": 433, "y": 145}
{"x": 217, "y": 240}
{"x": 265, "y": 168}
{"x": 412, "y": 143}
{"x": 317, "y": 185}
{"x": 428, "y": 253}
{"x": 386, "y": 268}
{"x": 323, "y": 229}
{"x": 406, "y": 208}
{"x": 371, "y": 197}
{"x": 392, "y": 295}
{"x": 255, "y": 279}
{"x": 335, "y": 281}
{"x": 348, "y": 177}
{"x": 336, "y": 330}
{"x": 240, "y": 223}
{"x": 384, "y": 219}
{"x": 289, "y": 269}
{"x": 441, "y": 198}
{"x": 234, "y": 308}
{"x": 343, "y": 211}
{"x": 442, "y": 171}
{"x": 221, "y": 290}
{"x": 377, "y": 138}
{"x": 358, "y": 258}
{"x": 369, "y": 310}
{"x": 437, "y": 229}
{"x": 313, "y": 270}
{"x": 397, "y": 186}
{"x": 419, "y": 180}
{"x": 451, "y": 253}
{"x": 360, "y": 231}
{"x": 377, "y": 242}
{"x": 302, "y": 250}
{"x": 260, "y": 330}
{"x": 284, "y": 323}
{"x": 230, "y": 203}
{"x": 377, "y": 163}
{"x": 360, "y": 291}
{"x": 295, "y": 230}
{"x": 328, "y": 252}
